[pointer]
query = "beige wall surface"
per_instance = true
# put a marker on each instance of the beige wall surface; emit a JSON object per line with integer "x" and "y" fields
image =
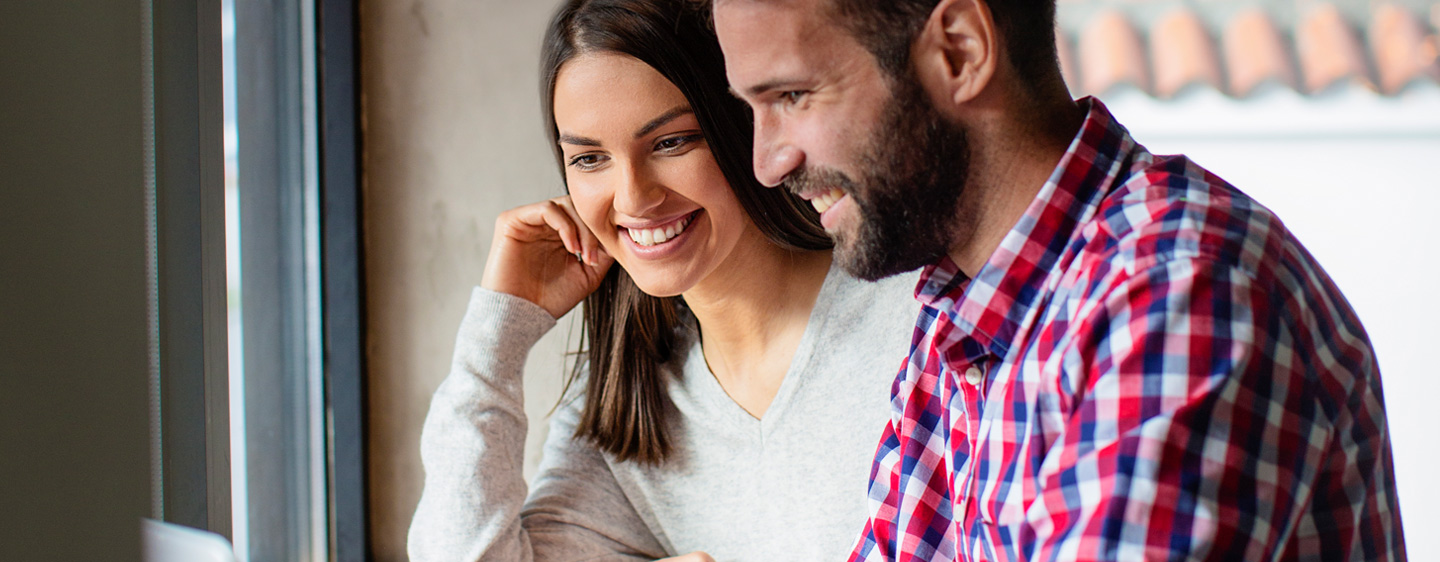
{"x": 452, "y": 138}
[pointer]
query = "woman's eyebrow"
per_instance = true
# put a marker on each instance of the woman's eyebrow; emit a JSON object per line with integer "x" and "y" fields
{"x": 664, "y": 118}
{"x": 580, "y": 141}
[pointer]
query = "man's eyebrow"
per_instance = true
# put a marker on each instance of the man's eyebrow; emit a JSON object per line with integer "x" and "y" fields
{"x": 580, "y": 141}
{"x": 776, "y": 84}
{"x": 664, "y": 118}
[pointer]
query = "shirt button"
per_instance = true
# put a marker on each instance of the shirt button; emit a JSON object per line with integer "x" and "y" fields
{"x": 974, "y": 376}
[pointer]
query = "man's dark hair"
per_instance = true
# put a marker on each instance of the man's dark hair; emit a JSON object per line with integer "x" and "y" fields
{"x": 887, "y": 28}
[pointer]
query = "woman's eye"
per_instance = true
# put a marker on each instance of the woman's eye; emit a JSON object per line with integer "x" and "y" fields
{"x": 671, "y": 145}
{"x": 585, "y": 161}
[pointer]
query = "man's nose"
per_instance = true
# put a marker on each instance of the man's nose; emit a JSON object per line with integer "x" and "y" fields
{"x": 775, "y": 158}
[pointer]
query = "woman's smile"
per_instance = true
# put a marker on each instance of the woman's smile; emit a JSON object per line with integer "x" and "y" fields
{"x": 652, "y": 238}
{"x": 641, "y": 174}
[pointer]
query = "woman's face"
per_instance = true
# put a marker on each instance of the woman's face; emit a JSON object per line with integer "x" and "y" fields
{"x": 641, "y": 175}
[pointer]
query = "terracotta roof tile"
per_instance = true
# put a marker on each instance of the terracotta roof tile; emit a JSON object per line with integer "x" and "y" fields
{"x": 1255, "y": 53}
{"x": 1183, "y": 54}
{"x": 1329, "y": 50}
{"x": 1111, "y": 54}
{"x": 1403, "y": 51}
{"x": 1164, "y": 47}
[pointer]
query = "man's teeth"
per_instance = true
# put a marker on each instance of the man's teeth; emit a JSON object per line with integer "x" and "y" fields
{"x": 653, "y": 236}
{"x": 824, "y": 202}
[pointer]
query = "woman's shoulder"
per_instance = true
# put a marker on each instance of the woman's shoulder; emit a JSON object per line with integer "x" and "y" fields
{"x": 894, "y": 294}
{"x": 864, "y": 308}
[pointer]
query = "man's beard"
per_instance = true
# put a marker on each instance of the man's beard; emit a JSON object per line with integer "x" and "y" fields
{"x": 911, "y": 174}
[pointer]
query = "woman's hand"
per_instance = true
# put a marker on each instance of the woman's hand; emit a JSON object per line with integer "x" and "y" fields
{"x": 696, "y": 556}
{"x": 543, "y": 253}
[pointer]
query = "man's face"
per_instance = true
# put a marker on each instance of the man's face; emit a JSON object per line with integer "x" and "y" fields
{"x": 872, "y": 154}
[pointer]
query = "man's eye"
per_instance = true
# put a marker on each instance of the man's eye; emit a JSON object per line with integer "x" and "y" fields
{"x": 792, "y": 97}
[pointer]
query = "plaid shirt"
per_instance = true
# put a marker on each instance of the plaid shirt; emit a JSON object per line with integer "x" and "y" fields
{"x": 1150, "y": 367}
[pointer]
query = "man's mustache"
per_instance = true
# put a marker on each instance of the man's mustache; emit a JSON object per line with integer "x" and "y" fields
{"x": 813, "y": 181}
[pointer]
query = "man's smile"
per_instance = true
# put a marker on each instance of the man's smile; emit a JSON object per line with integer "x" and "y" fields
{"x": 824, "y": 201}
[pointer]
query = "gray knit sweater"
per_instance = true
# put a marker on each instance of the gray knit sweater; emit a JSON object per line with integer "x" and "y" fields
{"x": 789, "y": 486}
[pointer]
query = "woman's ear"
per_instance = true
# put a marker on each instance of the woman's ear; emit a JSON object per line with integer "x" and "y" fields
{"x": 956, "y": 52}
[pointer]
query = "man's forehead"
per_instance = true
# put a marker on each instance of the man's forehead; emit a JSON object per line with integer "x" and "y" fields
{"x": 770, "y": 34}
{"x": 797, "y": 14}
{"x": 718, "y": 3}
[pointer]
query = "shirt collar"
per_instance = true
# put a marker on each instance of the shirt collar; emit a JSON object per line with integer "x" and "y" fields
{"x": 991, "y": 307}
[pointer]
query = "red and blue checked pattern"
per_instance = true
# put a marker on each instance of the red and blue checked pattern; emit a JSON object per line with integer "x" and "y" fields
{"x": 1150, "y": 367}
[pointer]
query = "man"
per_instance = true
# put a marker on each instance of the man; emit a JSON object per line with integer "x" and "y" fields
{"x": 1121, "y": 357}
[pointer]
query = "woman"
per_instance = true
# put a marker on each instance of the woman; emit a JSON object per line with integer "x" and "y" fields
{"x": 734, "y": 383}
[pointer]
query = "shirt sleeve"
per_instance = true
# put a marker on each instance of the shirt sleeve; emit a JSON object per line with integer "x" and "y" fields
{"x": 909, "y": 503}
{"x": 876, "y": 542}
{"x": 474, "y": 503}
{"x": 1214, "y": 417}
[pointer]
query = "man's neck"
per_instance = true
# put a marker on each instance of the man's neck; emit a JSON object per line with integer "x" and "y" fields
{"x": 1011, "y": 160}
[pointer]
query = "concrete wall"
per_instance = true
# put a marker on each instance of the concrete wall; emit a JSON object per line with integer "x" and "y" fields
{"x": 452, "y": 138}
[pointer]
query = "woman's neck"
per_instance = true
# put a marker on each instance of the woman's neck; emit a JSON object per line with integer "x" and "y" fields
{"x": 752, "y": 313}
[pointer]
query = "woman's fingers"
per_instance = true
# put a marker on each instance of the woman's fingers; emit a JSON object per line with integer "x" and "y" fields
{"x": 590, "y": 248}
{"x": 526, "y": 258}
{"x": 530, "y": 224}
{"x": 555, "y": 217}
{"x": 696, "y": 556}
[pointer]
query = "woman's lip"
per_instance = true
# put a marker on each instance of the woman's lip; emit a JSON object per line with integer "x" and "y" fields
{"x": 664, "y": 249}
{"x": 645, "y": 225}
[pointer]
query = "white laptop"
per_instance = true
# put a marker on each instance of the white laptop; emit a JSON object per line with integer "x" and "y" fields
{"x": 168, "y": 542}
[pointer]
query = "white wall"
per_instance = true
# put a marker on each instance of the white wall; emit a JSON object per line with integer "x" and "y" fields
{"x": 1354, "y": 176}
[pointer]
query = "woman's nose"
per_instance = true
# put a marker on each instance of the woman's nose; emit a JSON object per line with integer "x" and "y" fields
{"x": 638, "y": 191}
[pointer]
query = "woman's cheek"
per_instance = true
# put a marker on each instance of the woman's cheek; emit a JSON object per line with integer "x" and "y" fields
{"x": 591, "y": 208}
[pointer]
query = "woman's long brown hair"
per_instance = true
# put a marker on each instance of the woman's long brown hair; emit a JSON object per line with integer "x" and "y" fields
{"x": 630, "y": 337}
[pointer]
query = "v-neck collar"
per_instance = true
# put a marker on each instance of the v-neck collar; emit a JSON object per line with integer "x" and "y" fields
{"x": 715, "y": 397}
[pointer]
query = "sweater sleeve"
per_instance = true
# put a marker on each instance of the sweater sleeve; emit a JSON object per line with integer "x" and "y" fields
{"x": 472, "y": 448}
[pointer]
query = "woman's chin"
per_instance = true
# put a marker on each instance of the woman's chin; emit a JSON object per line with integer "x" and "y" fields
{"x": 659, "y": 285}
{"x": 656, "y": 280}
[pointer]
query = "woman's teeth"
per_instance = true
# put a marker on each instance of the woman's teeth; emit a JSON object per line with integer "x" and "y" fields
{"x": 653, "y": 236}
{"x": 824, "y": 202}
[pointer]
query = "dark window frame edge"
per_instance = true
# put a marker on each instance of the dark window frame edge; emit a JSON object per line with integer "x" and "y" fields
{"x": 343, "y": 276}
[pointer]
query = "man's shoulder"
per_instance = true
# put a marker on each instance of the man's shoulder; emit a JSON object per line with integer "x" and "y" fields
{"x": 1170, "y": 208}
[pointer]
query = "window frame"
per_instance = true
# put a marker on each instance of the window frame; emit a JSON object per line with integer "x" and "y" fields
{"x": 298, "y": 136}
{"x": 343, "y": 274}
{"x": 184, "y": 160}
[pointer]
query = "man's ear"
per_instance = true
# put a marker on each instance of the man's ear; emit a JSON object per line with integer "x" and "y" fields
{"x": 957, "y": 51}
